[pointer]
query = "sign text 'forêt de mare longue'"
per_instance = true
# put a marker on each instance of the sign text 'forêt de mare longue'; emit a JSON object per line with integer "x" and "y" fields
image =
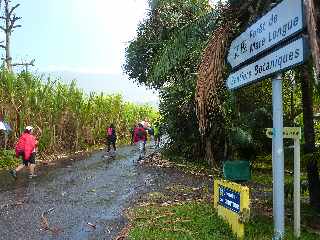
{"x": 290, "y": 55}
{"x": 282, "y": 22}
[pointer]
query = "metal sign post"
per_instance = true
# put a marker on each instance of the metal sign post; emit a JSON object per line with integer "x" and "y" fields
{"x": 295, "y": 134}
{"x": 277, "y": 155}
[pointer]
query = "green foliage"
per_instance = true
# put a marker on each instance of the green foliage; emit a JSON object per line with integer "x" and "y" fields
{"x": 165, "y": 55}
{"x": 8, "y": 159}
{"x": 64, "y": 117}
{"x": 161, "y": 45}
{"x": 178, "y": 110}
{"x": 261, "y": 227}
{"x": 185, "y": 46}
{"x": 310, "y": 157}
{"x": 253, "y": 108}
{"x": 45, "y": 139}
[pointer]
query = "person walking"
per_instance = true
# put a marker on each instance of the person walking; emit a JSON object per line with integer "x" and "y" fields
{"x": 145, "y": 124}
{"x": 111, "y": 138}
{"x": 156, "y": 134}
{"x": 26, "y": 149}
{"x": 151, "y": 134}
{"x": 140, "y": 135}
{"x": 131, "y": 130}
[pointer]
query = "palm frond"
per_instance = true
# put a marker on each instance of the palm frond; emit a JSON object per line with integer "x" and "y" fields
{"x": 211, "y": 77}
{"x": 178, "y": 48}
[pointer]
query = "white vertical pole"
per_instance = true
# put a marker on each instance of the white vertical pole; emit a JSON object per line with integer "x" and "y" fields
{"x": 278, "y": 162}
{"x": 296, "y": 191}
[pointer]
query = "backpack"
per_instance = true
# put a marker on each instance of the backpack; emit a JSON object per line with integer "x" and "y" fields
{"x": 151, "y": 131}
{"x": 140, "y": 133}
{"x": 110, "y": 131}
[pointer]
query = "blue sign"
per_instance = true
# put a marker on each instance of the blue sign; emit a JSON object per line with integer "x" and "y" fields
{"x": 229, "y": 199}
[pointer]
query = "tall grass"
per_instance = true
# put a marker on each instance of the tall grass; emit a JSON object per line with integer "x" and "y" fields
{"x": 64, "y": 117}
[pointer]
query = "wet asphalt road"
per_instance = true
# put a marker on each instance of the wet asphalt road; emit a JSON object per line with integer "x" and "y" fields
{"x": 93, "y": 190}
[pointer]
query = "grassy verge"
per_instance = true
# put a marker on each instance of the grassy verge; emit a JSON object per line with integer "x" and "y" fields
{"x": 187, "y": 221}
{"x": 181, "y": 212}
{"x": 195, "y": 221}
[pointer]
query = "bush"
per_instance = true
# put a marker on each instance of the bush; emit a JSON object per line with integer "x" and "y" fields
{"x": 7, "y": 159}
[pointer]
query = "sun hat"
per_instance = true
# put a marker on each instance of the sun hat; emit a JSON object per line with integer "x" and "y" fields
{"x": 29, "y": 128}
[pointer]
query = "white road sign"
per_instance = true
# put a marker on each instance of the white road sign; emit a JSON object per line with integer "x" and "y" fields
{"x": 282, "y": 59}
{"x": 282, "y": 22}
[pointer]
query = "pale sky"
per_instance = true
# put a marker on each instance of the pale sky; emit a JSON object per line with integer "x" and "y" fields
{"x": 81, "y": 39}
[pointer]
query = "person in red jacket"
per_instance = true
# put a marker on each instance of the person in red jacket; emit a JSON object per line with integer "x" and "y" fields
{"x": 26, "y": 149}
{"x": 140, "y": 136}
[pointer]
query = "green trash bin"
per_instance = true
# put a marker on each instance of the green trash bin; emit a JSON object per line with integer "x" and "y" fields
{"x": 237, "y": 170}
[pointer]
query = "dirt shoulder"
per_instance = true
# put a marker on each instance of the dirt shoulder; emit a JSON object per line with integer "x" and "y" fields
{"x": 187, "y": 196}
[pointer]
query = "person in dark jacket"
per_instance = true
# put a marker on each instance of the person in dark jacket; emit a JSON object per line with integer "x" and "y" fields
{"x": 111, "y": 138}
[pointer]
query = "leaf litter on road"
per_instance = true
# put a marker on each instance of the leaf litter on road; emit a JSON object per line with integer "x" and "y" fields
{"x": 45, "y": 222}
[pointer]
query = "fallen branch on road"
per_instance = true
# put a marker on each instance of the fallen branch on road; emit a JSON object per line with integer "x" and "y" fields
{"x": 124, "y": 233}
{"x": 45, "y": 222}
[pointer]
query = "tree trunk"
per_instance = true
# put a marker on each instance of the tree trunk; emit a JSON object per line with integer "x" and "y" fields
{"x": 317, "y": 9}
{"x": 8, "y": 59}
{"x": 209, "y": 153}
{"x": 313, "y": 24}
{"x": 309, "y": 136}
{"x": 8, "y": 55}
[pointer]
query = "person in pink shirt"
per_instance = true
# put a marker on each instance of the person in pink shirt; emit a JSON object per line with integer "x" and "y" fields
{"x": 139, "y": 138}
{"x": 26, "y": 149}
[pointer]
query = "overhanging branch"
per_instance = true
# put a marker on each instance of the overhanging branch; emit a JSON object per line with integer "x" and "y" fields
{"x": 17, "y": 26}
{"x": 13, "y": 8}
{"x": 12, "y": 22}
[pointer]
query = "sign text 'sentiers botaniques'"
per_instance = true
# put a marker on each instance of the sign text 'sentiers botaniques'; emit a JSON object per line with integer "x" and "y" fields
{"x": 292, "y": 54}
